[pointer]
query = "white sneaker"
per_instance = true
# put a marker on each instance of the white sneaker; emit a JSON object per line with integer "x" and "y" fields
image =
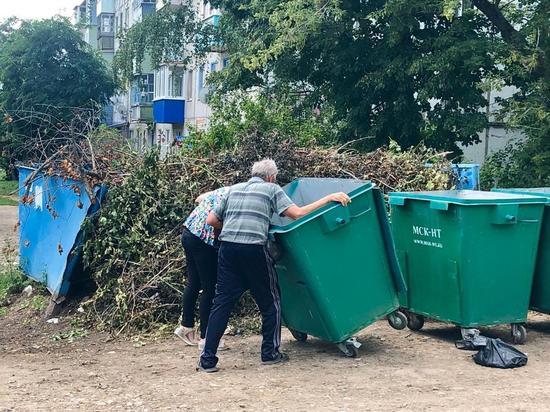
{"x": 221, "y": 346}
{"x": 186, "y": 334}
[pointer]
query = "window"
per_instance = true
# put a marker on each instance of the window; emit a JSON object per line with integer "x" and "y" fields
{"x": 106, "y": 43}
{"x": 176, "y": 82}
{"x": 200, "y": 80}
{"x": 189, "y": 94}
{"x": 107, "y": 24}
{"x": 143, "y": 89}
{"x": 225, "y": 62}
{"x": 160, "y": 82}
{"x": 213, "y": 66}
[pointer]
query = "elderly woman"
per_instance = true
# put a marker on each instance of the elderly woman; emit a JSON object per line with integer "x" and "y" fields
{"x": 202, "y": 266}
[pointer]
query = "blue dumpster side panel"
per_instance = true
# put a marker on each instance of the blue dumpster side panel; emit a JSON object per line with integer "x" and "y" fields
{"x": 49, "y": 228}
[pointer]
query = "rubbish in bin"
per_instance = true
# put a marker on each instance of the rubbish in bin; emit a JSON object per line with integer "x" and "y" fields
{"x": 498, "y": 354}
{"x": 337, "y": 267}
{"x": 467, "y": 256}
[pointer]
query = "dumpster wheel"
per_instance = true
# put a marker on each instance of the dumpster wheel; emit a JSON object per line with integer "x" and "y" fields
{"x": 519, "y": 333}
{"x": 350, "y": 347}
{"x": 397, "y": 320}
{"x": 299, "y": 336}
{"x": 414, "y": 321}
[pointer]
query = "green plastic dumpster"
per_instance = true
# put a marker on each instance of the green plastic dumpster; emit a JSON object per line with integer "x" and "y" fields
{"x": 467, "y": 256}
{"x": 337, "y": 267}
{"x": 540, "y": 293}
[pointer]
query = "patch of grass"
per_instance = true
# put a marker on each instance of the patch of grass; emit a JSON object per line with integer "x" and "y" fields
{"x": 36, "y": 302}
{"x": 6, "y": 201}
{"x": 3, "y": 311}
{"x": 70, "y": 335}
{"x": 12, "y": 280}
{"x": 8, "y": 192}
{"x": 8, "y": 187}
{"x": 39, "y": 302}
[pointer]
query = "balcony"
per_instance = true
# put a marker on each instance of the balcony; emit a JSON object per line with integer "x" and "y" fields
{"x": 163, "y": 3}
{"x": 106, "y": 43}
{"x": 141, "y": 113}
{"x": 105, "y": 6}
{"x": 169, "y": 111}
{"x": 214, "y": 20}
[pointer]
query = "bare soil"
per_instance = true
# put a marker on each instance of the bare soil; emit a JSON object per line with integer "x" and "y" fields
{"x": 58, "y": 367}
{"x": 396, "y": 370}
{"x": 8, "y": 220}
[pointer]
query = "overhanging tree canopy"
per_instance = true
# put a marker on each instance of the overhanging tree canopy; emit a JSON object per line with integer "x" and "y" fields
{"x": 45, "y": 67}
{"x": 406, "y": 69}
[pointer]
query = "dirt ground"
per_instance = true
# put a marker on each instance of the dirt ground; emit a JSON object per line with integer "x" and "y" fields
{"x": 61, "y": 367}
{"x": 8, "y": 219}
{"x": 396, "y": 370}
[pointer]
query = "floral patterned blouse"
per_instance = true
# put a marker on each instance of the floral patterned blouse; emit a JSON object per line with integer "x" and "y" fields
{"x": 196, "y": 221}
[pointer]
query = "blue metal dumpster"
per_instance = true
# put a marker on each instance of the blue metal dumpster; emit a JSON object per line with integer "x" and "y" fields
{"x": 51, "y": 213}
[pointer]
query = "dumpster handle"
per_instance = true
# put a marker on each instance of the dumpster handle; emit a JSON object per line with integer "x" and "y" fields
{"x": 360, "y": 214}
{"x": 343, "y": 221}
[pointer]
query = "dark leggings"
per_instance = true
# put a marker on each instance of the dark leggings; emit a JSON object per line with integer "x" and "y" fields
{"x": 202, "y": 267}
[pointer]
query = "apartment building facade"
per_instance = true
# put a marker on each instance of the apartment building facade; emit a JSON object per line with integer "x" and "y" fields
{"x": 160, "y": 106}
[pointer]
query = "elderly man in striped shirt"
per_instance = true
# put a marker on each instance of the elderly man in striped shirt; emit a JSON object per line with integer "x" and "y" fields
{"x": 243, "y": 262}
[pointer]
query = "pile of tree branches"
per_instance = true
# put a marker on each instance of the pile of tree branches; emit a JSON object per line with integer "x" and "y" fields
{"x": 70, "y": 145}
{"x": 133, "y": 249}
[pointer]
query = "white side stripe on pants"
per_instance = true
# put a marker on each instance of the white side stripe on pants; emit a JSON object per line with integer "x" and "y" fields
{"x": 273, "y": 282}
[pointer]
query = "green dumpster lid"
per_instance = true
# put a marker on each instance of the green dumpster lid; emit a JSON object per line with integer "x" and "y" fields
{"x": 467, "y": 197}
{"x": 533, "y": 191}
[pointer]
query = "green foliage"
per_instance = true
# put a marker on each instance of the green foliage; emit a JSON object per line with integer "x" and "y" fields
{"x": 173, "y": 34}
{"x": 4, "y": 201}
{"x": 46, "y": 62}
{"x": 37, "y": 303}
{"x": 133, "y": 237}
{"x": 8, "y": 187}
{"x": 45, "y": 67}
{"x": 8, "y": 191}
{"x": 12, "y": 280}
{"x": 524, "y": 163}
{"x": 395, "y": 68}
{"x": 237, "y": 115}
{"x": 70, "y": 335}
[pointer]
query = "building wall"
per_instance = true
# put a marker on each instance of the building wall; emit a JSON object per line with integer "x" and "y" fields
{"x": 496, "y": 137}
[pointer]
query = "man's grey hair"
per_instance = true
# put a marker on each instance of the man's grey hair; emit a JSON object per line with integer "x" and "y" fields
{"x": 264, "y": 169}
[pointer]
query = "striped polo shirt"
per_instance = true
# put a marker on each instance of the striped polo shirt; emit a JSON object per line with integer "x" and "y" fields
{"x": 247, "y": 210}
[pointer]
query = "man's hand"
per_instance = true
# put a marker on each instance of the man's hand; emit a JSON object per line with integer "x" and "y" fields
{"x": 296, "y": 212}
{"x": 340, "y": 197}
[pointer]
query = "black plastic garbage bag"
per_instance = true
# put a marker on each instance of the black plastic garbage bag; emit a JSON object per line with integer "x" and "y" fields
{"x": 498, "y": 354}
{"x": 471, "y": 340}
